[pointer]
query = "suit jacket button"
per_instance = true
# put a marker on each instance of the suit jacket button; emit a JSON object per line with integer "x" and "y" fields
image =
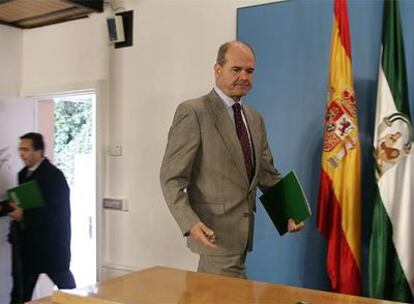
{"x": 246, "y": 214}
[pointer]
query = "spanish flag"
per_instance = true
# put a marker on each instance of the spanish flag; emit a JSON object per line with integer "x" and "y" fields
{"x": 339, "y": 214}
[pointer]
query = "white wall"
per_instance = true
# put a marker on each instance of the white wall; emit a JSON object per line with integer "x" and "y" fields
{"x": 10, "y": 111}
{"x": 16, "y": 118}
{"x": 175, "y": 44}
{"x": 65, "y": 53}
{"x": 10, "y": 60}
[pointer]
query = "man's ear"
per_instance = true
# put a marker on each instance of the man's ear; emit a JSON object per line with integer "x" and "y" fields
{"x": 40, "y": 153}
{"x": 217, "y": 69}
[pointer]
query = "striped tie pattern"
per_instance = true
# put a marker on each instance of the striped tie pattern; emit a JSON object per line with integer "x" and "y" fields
{"x": 244, "y": 140}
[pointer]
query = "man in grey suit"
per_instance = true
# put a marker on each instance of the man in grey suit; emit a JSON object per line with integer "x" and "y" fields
{"x": 217, "y": 155}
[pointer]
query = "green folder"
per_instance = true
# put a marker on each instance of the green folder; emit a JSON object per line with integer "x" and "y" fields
{"x": 27, "y": 195}
{"x": 286, "y": 200}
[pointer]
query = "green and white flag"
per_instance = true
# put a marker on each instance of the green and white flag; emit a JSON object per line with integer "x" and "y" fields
{"x": 391, "y": 252}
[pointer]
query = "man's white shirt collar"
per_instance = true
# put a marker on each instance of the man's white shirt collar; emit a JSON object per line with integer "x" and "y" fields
{"x": 228, "y": 101}
{"x": 33, "y": 168}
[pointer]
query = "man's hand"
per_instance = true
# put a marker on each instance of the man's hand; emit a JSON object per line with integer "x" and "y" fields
{"x": 203, "y": 234}
{"x": 293, "y": 227}
{"x": 17, "y": 213}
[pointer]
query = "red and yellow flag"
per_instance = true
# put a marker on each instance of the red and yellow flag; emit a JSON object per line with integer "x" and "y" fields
{"x": 339, "y": 216}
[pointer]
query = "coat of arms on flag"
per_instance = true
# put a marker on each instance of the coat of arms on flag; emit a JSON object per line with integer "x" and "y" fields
{"x": 394, "y": 141}
{"x": 340, "y": 126}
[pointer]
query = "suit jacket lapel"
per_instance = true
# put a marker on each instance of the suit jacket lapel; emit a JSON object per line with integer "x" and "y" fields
{"x": 228, "y": 133}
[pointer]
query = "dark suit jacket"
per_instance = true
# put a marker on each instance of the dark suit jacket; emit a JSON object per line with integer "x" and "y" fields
{"x": 203, "y": 176}
{"x": 45, "y": 232}
{"x": 5, "y": 208}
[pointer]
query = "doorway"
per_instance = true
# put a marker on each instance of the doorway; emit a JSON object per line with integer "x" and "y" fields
{"x": 67, "y": 122}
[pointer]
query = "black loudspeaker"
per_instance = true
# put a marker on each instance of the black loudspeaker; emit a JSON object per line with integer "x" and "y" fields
{"x": 116, "y": 29}
{"x": 120, "y": 29}
{"x": 128, "y": 24}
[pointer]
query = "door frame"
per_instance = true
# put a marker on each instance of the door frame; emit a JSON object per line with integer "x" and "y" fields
{"x": 100, "y": 87}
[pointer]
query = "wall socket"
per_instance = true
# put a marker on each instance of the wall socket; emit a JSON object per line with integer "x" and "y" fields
{"x": 115, "y": 203}
{"x": 115, "y": 150}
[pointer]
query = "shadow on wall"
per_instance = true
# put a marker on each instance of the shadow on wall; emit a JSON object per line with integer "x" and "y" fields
{"x": 314, "y": 264}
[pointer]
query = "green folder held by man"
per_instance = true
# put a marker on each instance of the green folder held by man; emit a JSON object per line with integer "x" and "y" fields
{"x": 286, "y": 200}
{"x": 27, "y": 195}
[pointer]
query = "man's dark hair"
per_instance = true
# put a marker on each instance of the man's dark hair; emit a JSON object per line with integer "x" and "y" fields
{"x": 37, "y": 140}
{"x": 221, "y": 54}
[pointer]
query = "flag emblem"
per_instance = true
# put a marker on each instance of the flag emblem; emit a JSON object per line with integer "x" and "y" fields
{"x": 341, "y": 134}
{"x": 394, "y": 141}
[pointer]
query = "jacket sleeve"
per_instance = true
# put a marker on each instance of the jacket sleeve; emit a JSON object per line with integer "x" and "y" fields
{"x": 183, "y": 144}
{"x": 269, "y": 175}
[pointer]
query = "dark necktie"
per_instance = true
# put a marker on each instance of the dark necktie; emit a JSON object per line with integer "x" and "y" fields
{"x": 244, "y": 140}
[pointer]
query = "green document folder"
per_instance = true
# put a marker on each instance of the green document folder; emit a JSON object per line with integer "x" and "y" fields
{"x": 286, "y": 200}
{"x": 27, "y": 195}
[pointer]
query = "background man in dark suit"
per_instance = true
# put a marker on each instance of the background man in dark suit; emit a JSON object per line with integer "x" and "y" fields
{"x": 217, "y": 155}
{"x": 5, "y": 254}
{"x": 44, "y": 232}
{"x": 17, "y": 293}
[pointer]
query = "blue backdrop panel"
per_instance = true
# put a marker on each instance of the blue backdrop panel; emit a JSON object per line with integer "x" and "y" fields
{"x": 292, "y": 44}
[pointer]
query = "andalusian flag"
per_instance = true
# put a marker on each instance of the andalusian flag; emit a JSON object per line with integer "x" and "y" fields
{"x": 391, "y": 256}
{"x": 339, "y": 218}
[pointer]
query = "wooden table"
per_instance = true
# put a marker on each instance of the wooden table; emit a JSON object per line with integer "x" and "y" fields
{"x": 168, "y": 285}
